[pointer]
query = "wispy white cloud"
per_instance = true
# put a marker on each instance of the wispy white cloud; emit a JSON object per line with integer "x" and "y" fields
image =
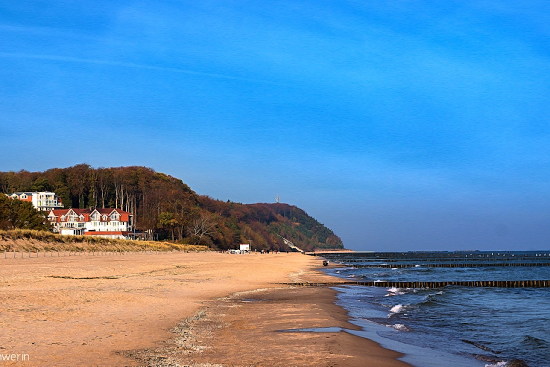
{"x": 70, "y": 59}
{"x": 43, "y": 31}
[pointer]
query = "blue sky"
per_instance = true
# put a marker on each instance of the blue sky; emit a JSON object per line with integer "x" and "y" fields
{"x": 403, "y": 125}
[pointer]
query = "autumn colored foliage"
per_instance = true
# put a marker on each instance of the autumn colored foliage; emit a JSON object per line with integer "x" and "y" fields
{"x": 167, "y": 209}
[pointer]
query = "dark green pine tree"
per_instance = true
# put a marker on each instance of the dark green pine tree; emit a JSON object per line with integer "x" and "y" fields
{"x": 19, "y": 214}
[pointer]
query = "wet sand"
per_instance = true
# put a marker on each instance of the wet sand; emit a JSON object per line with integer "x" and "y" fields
{"x": 174, "y": 308}
{"x": 258, "y": 328}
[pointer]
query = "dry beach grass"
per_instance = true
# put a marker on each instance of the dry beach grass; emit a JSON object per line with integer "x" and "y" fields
{"x": 27, "y": 240}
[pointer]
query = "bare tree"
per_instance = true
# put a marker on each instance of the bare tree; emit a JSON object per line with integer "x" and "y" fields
{"x": 202, "y": 226}
{"x": 103, "y": 184}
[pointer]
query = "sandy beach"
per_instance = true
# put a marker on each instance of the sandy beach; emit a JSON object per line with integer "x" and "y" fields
{"x": 195, "y": 309}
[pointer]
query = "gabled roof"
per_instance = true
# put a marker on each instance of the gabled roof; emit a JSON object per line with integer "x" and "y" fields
{"x": 82, "y": 211}
{"x": 59, "y": 212}
{"x": 109, "y": 211}
{"x": 105, "y": 211}
{"x": 88, "y": 212}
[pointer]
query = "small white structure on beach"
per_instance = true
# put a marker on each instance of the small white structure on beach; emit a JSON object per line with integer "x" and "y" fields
{"x": 244, "y": 248}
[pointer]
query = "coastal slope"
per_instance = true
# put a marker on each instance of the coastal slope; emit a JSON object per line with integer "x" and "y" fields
{"x": 166, "y": 208}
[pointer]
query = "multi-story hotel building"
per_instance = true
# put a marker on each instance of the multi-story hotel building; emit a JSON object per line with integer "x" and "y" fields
{"x": 111, "y": 223}
{"x": 43, "y": 200}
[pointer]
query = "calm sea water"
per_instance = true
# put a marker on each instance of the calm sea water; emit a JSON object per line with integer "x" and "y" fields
{"x": 451, "y": 326}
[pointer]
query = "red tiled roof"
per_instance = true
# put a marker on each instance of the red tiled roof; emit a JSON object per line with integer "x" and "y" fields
{"x": 82, "y": 211}
{"x": 108, "y": 211}
{"x": 59, "y": 212}
{"x": 89, "y": 211}
{"x": 124, "y": 216}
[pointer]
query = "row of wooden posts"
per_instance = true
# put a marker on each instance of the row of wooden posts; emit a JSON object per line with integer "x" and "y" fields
{"x": 544, "y": 257}
{"x": 475, "y": 283}
{"x": 469, "y": 265}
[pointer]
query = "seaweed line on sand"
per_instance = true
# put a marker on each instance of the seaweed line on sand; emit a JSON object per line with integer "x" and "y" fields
{"x": 192, "y": 336}
{"x": 185, "y": 343}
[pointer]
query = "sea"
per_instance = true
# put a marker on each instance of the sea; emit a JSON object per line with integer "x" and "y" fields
{"x": 458, "y": 326}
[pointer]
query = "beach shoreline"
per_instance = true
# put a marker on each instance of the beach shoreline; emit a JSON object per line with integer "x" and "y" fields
{"x": 100, "y": 310}
{"x": 261, "y": 328}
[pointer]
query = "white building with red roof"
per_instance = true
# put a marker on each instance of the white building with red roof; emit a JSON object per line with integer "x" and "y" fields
{"x": 107, "y": 222}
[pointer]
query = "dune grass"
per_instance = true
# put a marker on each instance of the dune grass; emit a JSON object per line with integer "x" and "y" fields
{"x": 31, "y": 240}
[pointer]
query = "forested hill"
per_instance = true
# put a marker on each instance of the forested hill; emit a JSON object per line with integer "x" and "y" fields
{"x": 168, "y": 208}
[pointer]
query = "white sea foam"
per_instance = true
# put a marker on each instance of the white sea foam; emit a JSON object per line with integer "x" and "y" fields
{"x": 394, "y": 291}
{"x": 397, "y": 309}
{"x": 431, "y": 296}
{"x": 498, "y": 364}
{"x": 399, "y": 327}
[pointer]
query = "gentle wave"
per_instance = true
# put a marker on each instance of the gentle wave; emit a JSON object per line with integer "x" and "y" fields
{"x": 400, "y": 327}
{"x": 501, "y": 323}
{"x": 431, "y": 298}
{"x": 533, "y": 341}
{"x": 394, "y": 291}
{"x": 396, "y": 309}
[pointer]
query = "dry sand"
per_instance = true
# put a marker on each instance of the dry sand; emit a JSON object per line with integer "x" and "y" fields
{"x": 122, "y": 311}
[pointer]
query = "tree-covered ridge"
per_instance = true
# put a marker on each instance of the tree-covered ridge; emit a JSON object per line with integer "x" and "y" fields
{"x": 266, "y": 224}
{"x": 167, "y": 208}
